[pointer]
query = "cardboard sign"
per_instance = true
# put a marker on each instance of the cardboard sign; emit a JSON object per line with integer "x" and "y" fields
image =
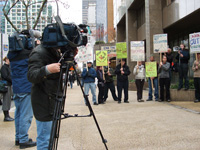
{"x": 101, "y": 58}
{"x": 195, "y": 42}
{"x": 111, "y": 50}
{"x": 151, "y": 69}
{"x": 84, "y": 54}
{"x": 121, "y": 50}
{"x": 160, "y": 43}
{"x": 137, "y": 51}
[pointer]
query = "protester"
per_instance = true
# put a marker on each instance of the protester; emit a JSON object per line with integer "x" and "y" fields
{"x": 109, "y": 84}
{"x": 21, "y": 97}
{"x": 122, "y": 71}
{"x": 196, "y": 69}
{"x": 6, "y": 77}
{"x": 155, "y": 83}
{"x": 78, "y": 76}
{"x": 101, "y": 85}
{"x": 183, "y": 58}
{"x": 43, "y": 72}
{"x": 71, "y": 79}
{"x": 89, "y": 76}
{"x": 169, "y": 60}
{"x": 139, "y": 72}
{"x": 164, "y": 70}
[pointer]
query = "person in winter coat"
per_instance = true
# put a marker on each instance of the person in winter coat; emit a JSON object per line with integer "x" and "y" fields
{"x": 89, "y": 76}
{"x": 122, "y": 71}
{"x": 101, "y": 85}
{"x": 139, "y": 72}
{"x": 6, "y": 76}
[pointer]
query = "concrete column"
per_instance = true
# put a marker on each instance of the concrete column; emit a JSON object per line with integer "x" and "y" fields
{"x": 131, "y": 35}
{"x": 153, "y": 12}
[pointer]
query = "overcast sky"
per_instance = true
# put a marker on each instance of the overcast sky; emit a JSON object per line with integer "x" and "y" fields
{"x": 73, "y": 13}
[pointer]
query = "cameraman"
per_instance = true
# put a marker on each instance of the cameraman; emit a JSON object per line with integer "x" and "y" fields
{"x": 43, "y": 73}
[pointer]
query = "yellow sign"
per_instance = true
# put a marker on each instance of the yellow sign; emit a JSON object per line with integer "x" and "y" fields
{"x": 101, "y": 58}
{"x": 121, "y": 50}
{"x": 151, "y": 69}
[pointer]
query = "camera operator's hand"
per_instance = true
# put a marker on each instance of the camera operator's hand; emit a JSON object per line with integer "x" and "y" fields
{"x": 54, "y": 68}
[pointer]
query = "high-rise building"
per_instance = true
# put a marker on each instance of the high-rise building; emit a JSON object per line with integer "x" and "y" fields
{"x": 105, "y": 26}
{"x": 17, "y": 16}
{"x": 85, "y": 4}
{"x": 2, "y": 18}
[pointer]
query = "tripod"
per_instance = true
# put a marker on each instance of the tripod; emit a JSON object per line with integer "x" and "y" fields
{"x": 60, "y": 103}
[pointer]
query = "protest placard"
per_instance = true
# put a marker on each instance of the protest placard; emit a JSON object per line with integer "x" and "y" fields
{"x": 195, "y": 43}
{"x": 137, "y": 51}
{"x": 111, "y": 50}
{"x": 121, "y": 50}
{"x": 101, "y": 58}
{"x": 151, "y": 69}
{"x": 85, "y": 54}
{"x": 160, "y": 43}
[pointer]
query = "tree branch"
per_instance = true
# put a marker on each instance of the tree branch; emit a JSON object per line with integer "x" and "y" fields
{"x": 6, "y": 14}
{"x": 40, "y": 11}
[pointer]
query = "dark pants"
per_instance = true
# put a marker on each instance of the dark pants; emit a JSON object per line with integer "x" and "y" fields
{"x": 122, "y": 85}
{"x": 197, "y": 88}
{"x": 111, "y": 86}
{"x": 164, "y": 83}
{"x": 101, "y": 94}
{"x": 183, "y": 73}
{"x": 139, "y": 84}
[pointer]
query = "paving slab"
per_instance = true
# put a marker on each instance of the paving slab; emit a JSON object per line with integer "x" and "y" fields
{"x": 132, "y": 126}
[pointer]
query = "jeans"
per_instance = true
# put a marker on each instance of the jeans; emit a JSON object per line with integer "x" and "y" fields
{"x": 155, "y": 83}
{"x": 23, "y": 116}
{"x": 197, "y": 88}
{"x": 120, "y": 86}
{"x": 91, "y": 86}
{"x": 164, "y": 83}
{"x": 71, "y": 84}
{"x": 183, "y": 73}
{"x": 139, "y": 84}
{"x": 111, "y": 86}
{"x": 43, "y": 134}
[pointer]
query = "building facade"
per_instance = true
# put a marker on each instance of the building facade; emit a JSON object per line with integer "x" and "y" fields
{"x": 2, "y": 18}
{"x": 85, "y": 4}
{"x": 139, "y": 20}
{"x": 17, "y": 16}
{"x": 105, "y": 21}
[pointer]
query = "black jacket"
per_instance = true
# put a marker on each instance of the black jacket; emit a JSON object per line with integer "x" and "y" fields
{"x": 123, "y": 77}
{"x": 107, "y": 77}
{"x": 71, "y": 77}
{"x": 44, "y": 87}
{"x": 100, "y": 76}
{"x": 5, "y": 74}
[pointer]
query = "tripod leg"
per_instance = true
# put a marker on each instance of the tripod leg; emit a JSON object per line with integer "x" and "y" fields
{"x": 91, "y": 111}
{"x": 59, "y": 109}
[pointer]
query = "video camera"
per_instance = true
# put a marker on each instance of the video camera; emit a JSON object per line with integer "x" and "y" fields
{"x": 23, "y": 40}
{"x": 67, "y": 37}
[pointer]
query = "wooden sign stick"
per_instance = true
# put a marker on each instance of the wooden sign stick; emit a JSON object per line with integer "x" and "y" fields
{"x": 160, "y": 57}
{"x": 152, "y": 85}
{"x": 196, "y": 56}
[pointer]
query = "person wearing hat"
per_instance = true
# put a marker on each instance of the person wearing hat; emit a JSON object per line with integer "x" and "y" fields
{"x": 6, "y": 76}
{"x": 109, "y": 84}
{"x": 122, "y": 71}
{"x": 89, "y": 76}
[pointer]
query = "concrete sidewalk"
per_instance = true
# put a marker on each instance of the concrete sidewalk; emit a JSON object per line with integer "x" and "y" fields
{"x": 133, "y": 126}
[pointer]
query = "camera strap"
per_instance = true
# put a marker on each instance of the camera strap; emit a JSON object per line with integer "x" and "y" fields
{"x": 59, "y": 22}
{"x": 19, "y": 40}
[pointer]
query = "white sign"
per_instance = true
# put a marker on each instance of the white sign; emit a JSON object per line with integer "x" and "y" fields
{"x": 137, "y": 51}
{"x": 85, "y": 54}
{"x": 111, "y": 50}
{"x": 195, "y": 43}
{"x": 160, "y": 43}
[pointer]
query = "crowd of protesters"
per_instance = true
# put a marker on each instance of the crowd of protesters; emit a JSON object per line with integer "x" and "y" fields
{"x": 23, "y": 94}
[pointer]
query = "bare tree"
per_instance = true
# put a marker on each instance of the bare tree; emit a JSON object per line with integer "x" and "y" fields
{"x": 10, "y": 4}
